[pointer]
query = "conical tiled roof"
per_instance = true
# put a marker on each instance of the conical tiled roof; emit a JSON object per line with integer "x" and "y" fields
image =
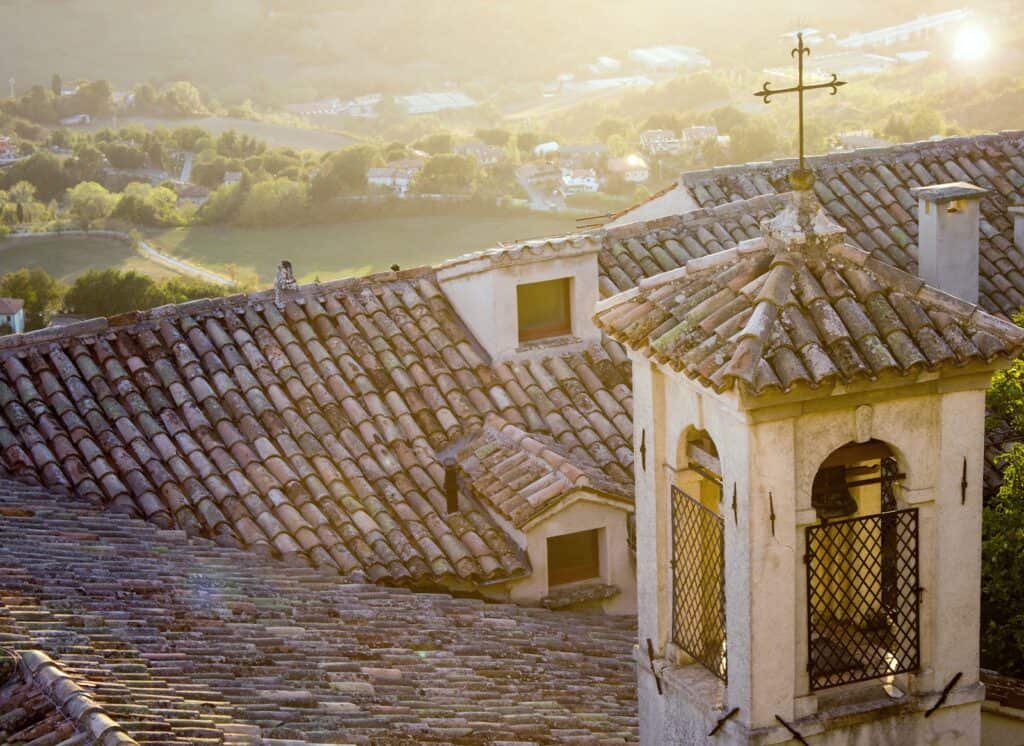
{"x": 801, "y": 308}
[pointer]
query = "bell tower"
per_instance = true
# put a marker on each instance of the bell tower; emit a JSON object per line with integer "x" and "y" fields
{"x": 809, "y": 425}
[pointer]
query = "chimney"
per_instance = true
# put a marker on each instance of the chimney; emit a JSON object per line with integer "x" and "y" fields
{"x": 1017, "y": 211}
{"x": 947, "y": 239}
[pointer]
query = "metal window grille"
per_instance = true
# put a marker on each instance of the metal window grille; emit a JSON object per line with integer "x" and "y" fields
{"x": 698, "y": 582}
{"x": 863, "y": 597}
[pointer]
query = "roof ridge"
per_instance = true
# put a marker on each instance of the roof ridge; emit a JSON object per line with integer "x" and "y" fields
{"x": 692, "y": 178}
{"x": 14, "y": 343}
{"x": 71, "y": 700}
{"x": 696, "y": 217}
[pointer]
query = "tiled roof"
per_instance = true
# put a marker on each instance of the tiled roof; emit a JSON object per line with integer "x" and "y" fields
{"x": 868, "y": 193}
{"x": 774, "y": 316}
{"x": 310, "y": 430}
{"x": 522, "y": 474}
{"x": 188, "y": 642}
{"x": 41, "y": 705}
{"x": 10, "y": 306}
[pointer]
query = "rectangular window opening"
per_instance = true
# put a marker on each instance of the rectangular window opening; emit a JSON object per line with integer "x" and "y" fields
{"x": 545, "y": 309}
{"x": 573, "y": 557}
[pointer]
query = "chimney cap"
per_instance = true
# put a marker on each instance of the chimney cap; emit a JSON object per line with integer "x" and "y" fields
{"x": 957, "y": 190}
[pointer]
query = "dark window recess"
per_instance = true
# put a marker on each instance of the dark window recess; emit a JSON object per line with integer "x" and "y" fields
{"x": 573, "y": 557}
{"x": 545, "y": 309}
{"x": 451, "y": 487}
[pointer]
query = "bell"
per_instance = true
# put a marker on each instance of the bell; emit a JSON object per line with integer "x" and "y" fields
{"x": 830, "y": 496}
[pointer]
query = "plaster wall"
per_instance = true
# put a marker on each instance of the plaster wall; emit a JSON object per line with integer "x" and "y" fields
{"x": 948, "y": 247}
{"x": 483, "y": 292}
{"x": 617, "y": 564}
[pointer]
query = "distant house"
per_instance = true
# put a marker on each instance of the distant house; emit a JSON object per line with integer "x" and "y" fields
{"x": 481, "y": 152}
{"x": 855, "y": 139}
{"x": 632, "y": 168}
{"x": 194, "y": 194}
{"x": 694, "y": 137}
{"x": 396, "y": 176}
{"x": 364, "y": 107}
{"x": 232, "y": 177}
{"x": 546, "y": 148}
{"x": 576, "y": 180}
{"x": 541, "y": 173}
{"x": 76, "y": 120}
{"x": 8, "y": 150}
{"x": 656, "y": 142}
{"x": 432, "y": 102}
{"x": 12, "y": 315}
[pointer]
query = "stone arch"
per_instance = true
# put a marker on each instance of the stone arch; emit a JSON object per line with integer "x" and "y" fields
{"x": 699, "y": 472}
{"x": 857, "y": 479}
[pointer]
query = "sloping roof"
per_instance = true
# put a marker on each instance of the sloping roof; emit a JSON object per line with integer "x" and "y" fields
{"x": 774, "y": 316}
{"x": 10, "y": 306}
{"x": 868, "y": 192}
{"x": 41, "y": 704}
{"x": 310, "y": 430}
{"x": 190, "y": 642}
{"x": 521, "y": 474}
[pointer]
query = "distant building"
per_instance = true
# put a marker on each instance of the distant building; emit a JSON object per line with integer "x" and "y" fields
{"x": 670, "y": 58}
{"x": 580, "y": 180}
{"x": 194, "y": 194}
{"x": 12, "y": 315}
{"x": 904, "y": 32}
{"x": 587, "y": 155}
{"x": 432, "y": 102}
{"x": 76, "y": 120}
{"x": 8, "y": 150}
{"x": 656, "y": 142}
{"x": 363, "y": 107}
{"x": 481, "y": 152}
{"x": 546, "y": 148}
{"x": 855, "y": 139}
{"x": 232, "y": 177}
{"x": 632, "y": 168}
{"x": 542, "y": 173}
{"x": 694, "y": 137}
{"x": 396, "y": 176}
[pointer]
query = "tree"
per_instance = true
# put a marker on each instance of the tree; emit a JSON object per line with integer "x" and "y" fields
{"x": 274, "y": 202}
{"x": 43, "y": 170}
{"x": 41, "y": 292}
{"x": 608, "y": 127}
{"x": 111, "y": 291}
{"x": 755, "y": 140}
{"x": 447, "y": 174}
{"x": 343, "y": 172}
{"x": 56, "y": 84}
{"x": 142, "y": 204}
{"x": 89, "y": 202}
{"x": 435, "y": 144}
{"x": 87, "y": 165}
{"x": 493, "y": 136}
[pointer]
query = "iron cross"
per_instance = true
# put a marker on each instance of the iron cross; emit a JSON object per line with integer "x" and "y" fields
{"x": 766, "y": 93}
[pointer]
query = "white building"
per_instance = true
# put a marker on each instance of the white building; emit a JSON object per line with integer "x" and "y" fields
{"x": 656, "y": 142}
{"x": 694, "y": 137}
{"x": 576, "y": 180}
{"x": 433, "y": 102}
{"x": 8, "y": 150}
{"x": 396, "y": 176}
{"x": 481, "y": 152}
{"x": 546, "y": 148}
{"x": 12, "y": 315}
{"x": 76, "y": 120}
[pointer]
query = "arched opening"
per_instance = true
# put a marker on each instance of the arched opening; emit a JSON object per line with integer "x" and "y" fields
{"x": 698, "y": 553}
{"x": 862, "y": 569}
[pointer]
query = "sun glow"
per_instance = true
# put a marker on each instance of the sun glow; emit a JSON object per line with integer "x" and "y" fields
{"x": 971, "y": 44}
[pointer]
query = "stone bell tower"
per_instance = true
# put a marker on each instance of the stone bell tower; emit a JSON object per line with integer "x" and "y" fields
{"x": 809, "y": 426}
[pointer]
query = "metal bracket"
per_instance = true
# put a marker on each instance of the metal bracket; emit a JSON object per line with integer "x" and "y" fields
{"x": 721, "y": 721}
{"x": 792, "y": 731}
{"x": 771, "y": 511}
{"x": 650, "y": 657}
{"x": 643, "y": 450}
{"x": 735, "y": 514}
{"x": 963, "y": 484}
{"x": 945, "y": 693}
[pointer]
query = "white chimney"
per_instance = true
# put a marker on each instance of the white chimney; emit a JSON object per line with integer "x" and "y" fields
{"x": 1017, "y": 211}
{"x": 947, "y": 239}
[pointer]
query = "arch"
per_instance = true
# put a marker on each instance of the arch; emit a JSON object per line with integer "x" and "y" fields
{"x": 699, "y": 471}
{"x": 856, "y": 479}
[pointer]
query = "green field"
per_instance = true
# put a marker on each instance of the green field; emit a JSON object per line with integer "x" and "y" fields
{"x": 353, "y": 247}
{"x": 68, "y": 257}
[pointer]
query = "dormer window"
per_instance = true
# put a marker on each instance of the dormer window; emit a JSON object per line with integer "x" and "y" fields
{"x": 545, "y": 309}
{"x": 574, "y": 557}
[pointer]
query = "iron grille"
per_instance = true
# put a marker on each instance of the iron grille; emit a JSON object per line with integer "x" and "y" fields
{"x": 698, "y": 582}
{"x": 863, "y": 616}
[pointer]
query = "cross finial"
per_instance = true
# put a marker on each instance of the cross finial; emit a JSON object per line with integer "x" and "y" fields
{"x": 802, "y": 179}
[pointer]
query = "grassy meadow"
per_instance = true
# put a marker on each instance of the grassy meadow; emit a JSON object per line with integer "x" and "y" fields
{"x": 68, "y": 257}
{"x": 351, "y": 248}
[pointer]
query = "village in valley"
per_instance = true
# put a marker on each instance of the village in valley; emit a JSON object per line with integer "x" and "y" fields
{"x": 662, "y": 383}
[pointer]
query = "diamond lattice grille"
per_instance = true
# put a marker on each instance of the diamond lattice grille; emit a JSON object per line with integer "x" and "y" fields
{"x": 862, "y": 598}
{"x": 698, "y": 582}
